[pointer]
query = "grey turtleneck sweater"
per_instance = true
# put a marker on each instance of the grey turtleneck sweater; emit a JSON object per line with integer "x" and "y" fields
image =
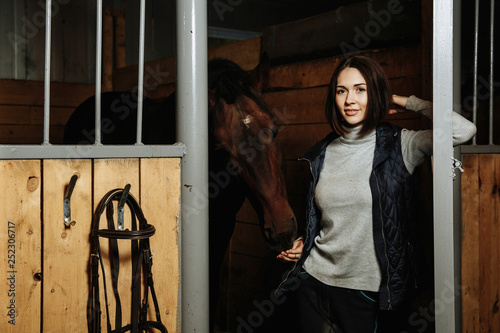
{"x": 344, "y": 252}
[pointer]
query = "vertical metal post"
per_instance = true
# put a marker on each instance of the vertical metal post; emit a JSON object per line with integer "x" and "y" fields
{"x": 46, "y": 79}
{"x": 192, "y": 129}
{"x": 446, "y": 237}
{"x": 98, "y": 72}
{"x": 140, "y": 81}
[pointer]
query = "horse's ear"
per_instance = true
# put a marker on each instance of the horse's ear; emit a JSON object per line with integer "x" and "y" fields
{"x": 260, "y": 75}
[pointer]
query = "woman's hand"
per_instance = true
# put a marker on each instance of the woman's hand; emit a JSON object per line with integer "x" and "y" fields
{"x": 294, "y": 253}
{"x": 399, "y": 104}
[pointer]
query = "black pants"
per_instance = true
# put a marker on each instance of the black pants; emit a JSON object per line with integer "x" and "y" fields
{"x": 327, "y": 309}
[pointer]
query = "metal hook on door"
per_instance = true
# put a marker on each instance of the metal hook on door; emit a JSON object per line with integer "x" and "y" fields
{"x": 67, "y": 201}
{"x": 121, "y": 206}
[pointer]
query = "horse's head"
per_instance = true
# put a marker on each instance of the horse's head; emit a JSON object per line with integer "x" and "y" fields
{"x": 245, "y": 128}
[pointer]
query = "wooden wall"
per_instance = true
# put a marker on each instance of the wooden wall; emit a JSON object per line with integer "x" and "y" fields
{"x": 22, "y": 40}
{"x": 21, "y": 109}
{"x": 480, "y": 243}
{"x": 47, "y": 264}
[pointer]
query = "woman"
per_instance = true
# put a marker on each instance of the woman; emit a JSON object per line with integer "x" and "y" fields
{"x": 360, "y": 253}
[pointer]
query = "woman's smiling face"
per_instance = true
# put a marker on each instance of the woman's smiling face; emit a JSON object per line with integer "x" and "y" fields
{"x": 351, "y": 96}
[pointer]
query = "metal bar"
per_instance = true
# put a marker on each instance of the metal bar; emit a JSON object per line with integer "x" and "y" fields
{"x": 46, "y": 79}
{"x": 480, "y": 149}
{"x": 89, "y": 151}
{"x": 492, "y": 23}
{"x": 192, "y": 129}
{"x": 217, "y": 32}
{"x": 98, "y": 72}
{"x": 140, "y": 83}
{"x": 474, "y": 84}
{"x": 446, "y": 263}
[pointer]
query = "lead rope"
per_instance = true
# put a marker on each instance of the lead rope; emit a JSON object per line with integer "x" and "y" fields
{"x": 141, "y": 252}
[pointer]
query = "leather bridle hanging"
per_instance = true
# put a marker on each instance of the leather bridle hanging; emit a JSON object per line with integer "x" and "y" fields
{"x": 141, "y": 256}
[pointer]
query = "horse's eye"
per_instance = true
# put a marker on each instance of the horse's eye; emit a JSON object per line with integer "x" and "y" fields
{"x": 275, "y": 132}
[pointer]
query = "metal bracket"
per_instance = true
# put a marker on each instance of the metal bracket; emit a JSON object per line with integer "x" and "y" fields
{"x": 67, "y": 202}
{"x": 121, "y": 205}
{"x": 457, "y": 164}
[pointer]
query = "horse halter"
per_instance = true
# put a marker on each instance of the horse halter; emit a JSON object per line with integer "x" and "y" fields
{"x": 141, "y": 255}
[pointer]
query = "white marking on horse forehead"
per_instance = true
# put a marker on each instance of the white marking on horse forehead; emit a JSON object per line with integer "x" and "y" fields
{"x": 247, "y": 120}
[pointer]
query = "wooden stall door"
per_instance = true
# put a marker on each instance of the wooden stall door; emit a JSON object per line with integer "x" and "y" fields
{"x": 47, "y": 269}
{"x": 481, "y": 243}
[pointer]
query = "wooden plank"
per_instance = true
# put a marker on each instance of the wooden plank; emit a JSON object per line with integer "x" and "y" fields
{"x": 470, "y": 244}
{"x": 303, "y": 106}
{"x": 361, "y": 26}
{"x": 21, "y": 92}
{"x": 108, "y": 175}
{"x": 32, "y": 115}
{"x": 160, "y": 201}
{"x": 495, "y": 250}
{"x": 66, "y": 249}
{"x": 156, "y": 73}
{"x": 406, "y": 86}
{"x": 27, "y": 134}
{"x": 21, "y": 237}
{"x": 245, "y": 53}
{"x": 315, "y": 73}
{"x": 486, "y": 240}
{"x": 163, "y": 72}
{"x": 120, "y": 54}
{"x": 294, "y": 140}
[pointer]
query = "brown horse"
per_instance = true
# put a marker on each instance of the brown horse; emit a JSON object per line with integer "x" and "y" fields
{"x": 244, "y": 159}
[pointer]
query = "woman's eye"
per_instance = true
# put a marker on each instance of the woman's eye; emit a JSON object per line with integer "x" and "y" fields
{"x": 340, "y": 91}
{"x": 360, "y": 89}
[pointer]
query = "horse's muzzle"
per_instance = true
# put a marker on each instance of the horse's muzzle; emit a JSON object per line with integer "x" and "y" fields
{"x": 282, "y": 240}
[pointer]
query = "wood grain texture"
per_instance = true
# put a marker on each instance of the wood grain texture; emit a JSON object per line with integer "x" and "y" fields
{"x": 480, "y": 243}
{"x": 160, "y": 202}
{"x": 470, "y": 244}
{"x": 29, "y": 93}
{"x": 21, "y": 244}
{"x": 66, "y": 250}
{"x": 162, "y": 72}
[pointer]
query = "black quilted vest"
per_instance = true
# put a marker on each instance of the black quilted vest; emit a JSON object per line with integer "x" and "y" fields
{"x": 395, "y": 219}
